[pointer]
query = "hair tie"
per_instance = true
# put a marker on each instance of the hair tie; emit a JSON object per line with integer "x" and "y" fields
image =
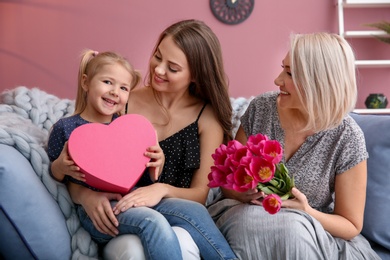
{"x": 95, "y": 53}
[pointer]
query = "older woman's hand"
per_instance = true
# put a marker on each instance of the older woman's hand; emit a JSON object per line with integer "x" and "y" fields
{"x": 254, "y": 196}
{"x": 298, "y": 202}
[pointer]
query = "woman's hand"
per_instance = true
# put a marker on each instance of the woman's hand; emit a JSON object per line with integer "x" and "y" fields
{"x": 148, "y": 196}
{"x": 254, "y": 196}
{"x": 64, "y": 165}
{"x": 156, "y": 154}
{"x": 97, "y": 206}
{"x": 298, "y": 202}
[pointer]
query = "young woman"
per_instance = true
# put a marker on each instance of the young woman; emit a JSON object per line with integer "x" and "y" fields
{"x": 187, "y": 101}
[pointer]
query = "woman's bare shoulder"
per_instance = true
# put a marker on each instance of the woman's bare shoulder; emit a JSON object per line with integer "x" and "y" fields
{"x": 208, "y": 119}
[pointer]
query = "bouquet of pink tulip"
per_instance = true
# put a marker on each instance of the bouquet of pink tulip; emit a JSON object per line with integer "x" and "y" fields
{"x": 254, "y": 165}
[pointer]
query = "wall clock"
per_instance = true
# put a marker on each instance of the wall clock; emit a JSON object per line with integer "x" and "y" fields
{"x": 232, "y": 11}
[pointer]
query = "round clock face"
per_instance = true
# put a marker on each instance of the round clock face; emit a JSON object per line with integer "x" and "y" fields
{"x": 232, "y": 11}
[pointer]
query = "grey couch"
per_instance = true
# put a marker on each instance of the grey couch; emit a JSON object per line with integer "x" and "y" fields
{"x": 37, "y": 217}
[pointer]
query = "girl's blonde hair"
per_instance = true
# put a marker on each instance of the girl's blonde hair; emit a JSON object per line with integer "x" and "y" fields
{"x": 91, "y": 63}
{"x": 323, "y": 70}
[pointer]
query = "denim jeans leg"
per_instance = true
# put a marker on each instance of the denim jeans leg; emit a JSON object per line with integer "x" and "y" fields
{"x": 153, "y": 229}
{"x": 194, "y": 218}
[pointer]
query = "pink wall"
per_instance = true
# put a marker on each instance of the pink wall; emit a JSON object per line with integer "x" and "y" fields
{"x": 40, "y": 40}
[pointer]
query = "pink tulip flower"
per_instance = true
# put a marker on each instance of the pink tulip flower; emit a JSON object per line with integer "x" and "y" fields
{"x": 272, "y": 151}
{"x": 243, "y": 180}
{"x": 261, "y": 169}
{"x": 272, "y": 203}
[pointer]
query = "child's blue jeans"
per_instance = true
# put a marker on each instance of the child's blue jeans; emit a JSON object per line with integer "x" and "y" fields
{"x": 154, "y": 228}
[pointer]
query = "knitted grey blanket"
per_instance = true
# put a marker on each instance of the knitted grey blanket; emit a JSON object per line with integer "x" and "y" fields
{"x": 26, "y": 117}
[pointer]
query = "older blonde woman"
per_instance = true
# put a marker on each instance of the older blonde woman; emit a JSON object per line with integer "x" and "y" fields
{"x": 324, "y": 150}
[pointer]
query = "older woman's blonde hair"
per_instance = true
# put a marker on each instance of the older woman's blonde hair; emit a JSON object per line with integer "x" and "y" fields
{"x": 323, "y": 70}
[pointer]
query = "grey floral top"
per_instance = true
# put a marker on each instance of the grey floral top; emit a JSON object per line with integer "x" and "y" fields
{"x": 322, "y": 155}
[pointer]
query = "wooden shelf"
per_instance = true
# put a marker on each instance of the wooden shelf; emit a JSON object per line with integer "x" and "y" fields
{"x": 363, "y": 34}
{"x": 372, "y": 111}
{"x": 372, "y": 63}
{"x": 366, "y": 3}
{"x": 341, "y": 5}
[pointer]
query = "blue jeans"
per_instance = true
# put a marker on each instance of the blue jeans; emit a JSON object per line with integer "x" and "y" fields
{"x": 153, "y": 226}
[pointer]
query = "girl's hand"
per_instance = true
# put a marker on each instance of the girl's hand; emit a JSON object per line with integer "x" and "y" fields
{"x": 64, "y": 165}
{"x": 298, "y": 202}
{"x": 148, "y": 196}
{"x": 97, "y": 206}
{"x": 156, "y": 164}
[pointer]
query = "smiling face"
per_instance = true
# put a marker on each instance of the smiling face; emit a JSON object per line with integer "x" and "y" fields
{"x": 107, "y": 93}
{"x": 288, "y": 97}
{"x": 169, "y": 68}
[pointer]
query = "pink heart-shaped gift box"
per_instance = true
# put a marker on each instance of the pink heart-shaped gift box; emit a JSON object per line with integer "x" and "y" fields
{"x": 112, "y": 156}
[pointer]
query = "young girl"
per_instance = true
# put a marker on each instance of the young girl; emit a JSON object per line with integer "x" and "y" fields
{"x": 105, "y": 81}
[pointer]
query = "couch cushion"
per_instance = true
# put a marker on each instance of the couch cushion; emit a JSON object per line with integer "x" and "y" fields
{"x": 32, "y": 225}
{"x": 376, "y": 130}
